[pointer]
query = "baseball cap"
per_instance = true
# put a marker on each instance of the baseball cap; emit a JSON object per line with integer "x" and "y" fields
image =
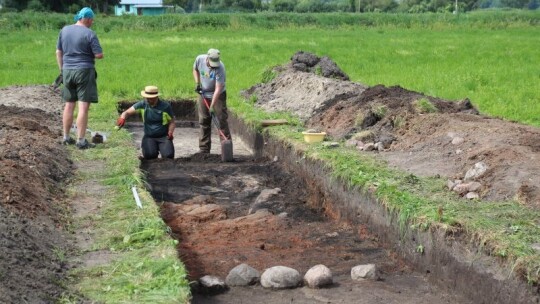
{"x": 213, "y": 58}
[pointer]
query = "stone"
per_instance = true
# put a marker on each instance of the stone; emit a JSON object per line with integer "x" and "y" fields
{"x": 476, "y": 171}
{"x": 364, "y": 272}
{"x": 242, "y": 275}
{"x": 280, "y": 277}
{"x": 211, "y": 285}
{"x": 318, "y": 276}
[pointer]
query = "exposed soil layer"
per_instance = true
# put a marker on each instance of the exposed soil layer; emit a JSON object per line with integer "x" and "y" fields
{"x": 33, "y": 213}
{"x": 424, "y": 135}
{"x": 211, "y": 207}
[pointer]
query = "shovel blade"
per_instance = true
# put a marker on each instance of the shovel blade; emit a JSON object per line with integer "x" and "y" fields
{"x": 226, "y": 151}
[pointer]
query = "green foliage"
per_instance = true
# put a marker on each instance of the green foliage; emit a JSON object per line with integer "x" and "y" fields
{"x": 268, "y": 75}
{"x": 269, "y": 20}
{"x": 144, "y": 231}
{"x": 423, "y": 105}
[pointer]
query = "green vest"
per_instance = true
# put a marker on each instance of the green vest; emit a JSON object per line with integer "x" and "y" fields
{"x": 156, "y": 119}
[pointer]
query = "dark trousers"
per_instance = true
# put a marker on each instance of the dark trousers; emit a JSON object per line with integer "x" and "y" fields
{"x": 205, "y": 121}
{"x": 151, "y": 147}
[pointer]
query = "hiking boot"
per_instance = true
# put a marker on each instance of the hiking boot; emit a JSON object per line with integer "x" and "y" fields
{"x": 69, "y": 141}
{"x": 85, "y": 145}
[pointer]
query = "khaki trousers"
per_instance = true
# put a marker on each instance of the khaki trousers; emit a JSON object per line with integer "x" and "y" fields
{"x": 205, "y": 121}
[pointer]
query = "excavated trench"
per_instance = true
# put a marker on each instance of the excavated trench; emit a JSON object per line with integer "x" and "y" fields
{"x": 271, "y": 207}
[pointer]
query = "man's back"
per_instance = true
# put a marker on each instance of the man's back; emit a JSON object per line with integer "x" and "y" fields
{"x": 79, "y": 45}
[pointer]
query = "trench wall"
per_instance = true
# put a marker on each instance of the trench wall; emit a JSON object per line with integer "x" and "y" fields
{"x": 447, "y": 259}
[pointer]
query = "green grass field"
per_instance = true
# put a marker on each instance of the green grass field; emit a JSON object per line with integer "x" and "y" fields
{"x": 492, "y": 62}
{"x": 496, "y": 68}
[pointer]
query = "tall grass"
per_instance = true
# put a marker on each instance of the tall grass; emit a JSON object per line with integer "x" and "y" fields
{"x": 493, "y": 64}
{"x": 269, "y": 20}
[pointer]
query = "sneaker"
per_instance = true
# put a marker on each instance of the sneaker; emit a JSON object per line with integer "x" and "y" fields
{"x": 69, "y": 141}
{"x": 85, "y": 145}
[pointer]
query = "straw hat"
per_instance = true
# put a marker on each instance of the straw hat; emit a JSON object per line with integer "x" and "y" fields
{"x": 150, "y": 92}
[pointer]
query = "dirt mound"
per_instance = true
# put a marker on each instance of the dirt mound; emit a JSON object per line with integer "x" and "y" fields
{"x": 33, "y": 168}
{"x": 302, "y": 93}
{"x": 421, "y": 134}
{"x": 326, "y": 67}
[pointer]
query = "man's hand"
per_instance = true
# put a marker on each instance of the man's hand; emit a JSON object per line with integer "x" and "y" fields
{"x": 198, "y": 88}
{"x": 170, "y": 136}
{"x": 58, "y": 81}
{"x": 120, "y": 122}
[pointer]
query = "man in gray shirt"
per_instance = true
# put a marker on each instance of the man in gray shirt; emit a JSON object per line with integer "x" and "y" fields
{"x": 76, "y": 50}
{"x": 209, "y": 75}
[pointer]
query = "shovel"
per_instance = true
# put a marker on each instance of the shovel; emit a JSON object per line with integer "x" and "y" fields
{"x": 226, "y": 144}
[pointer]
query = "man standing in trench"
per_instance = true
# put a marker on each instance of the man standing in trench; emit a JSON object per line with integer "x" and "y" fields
{"x": 76, "y": 50}
{"x": 209, "y": 75}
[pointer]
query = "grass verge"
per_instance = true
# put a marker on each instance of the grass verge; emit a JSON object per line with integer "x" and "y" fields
{"x": 505, "y": 229}
{"x": 143, "y": 266}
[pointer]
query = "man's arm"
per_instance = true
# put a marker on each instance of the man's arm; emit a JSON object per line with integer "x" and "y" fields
{"x": 128, "y": 112}
{"x": 59, "y": 59}
{"x": 196, "y": 76}
{"x": 217, "y": 92}
{"x": 172, "y": 125}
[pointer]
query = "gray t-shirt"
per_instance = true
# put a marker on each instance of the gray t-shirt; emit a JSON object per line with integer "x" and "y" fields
{"x": 209, "y": 76}
{"x": 79, "y": 46}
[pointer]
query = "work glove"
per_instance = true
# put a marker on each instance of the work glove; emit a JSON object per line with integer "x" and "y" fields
{"x": 120, "y": 122}
{"x": 198, "y": 89}
{"x": 170, "y": 136}
{"x": 212, "y": 111}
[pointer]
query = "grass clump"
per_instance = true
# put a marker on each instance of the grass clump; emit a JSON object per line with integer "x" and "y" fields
{"x": 379, "y": 110}
{"x": 364, "y": 136}
{"x": 268, "y": 75}
{"x": 423, "y": 105}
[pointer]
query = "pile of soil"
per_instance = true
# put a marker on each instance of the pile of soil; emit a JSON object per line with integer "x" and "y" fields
{"x": 423, "y": 135}
{"x": 33, "y": 169}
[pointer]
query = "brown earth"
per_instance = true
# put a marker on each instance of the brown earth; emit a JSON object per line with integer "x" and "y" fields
{"x": 415, "y": 140}
{"x": 33, "y": 213}
{"x": 207, "y": 204}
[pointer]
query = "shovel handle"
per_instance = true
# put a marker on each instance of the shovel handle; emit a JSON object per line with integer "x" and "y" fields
{"x": 214, "y": 119}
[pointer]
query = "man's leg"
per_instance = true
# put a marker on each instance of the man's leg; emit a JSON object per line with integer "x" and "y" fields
{"x": 67, "y": 121}
{"x": 166, "y": 148}
{"x": 204, "y": 127}
{"x": 82, "y": 119}
{"x": 149, "y": 147}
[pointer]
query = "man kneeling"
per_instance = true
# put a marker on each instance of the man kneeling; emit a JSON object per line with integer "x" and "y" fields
{"x": 158, "y": 119}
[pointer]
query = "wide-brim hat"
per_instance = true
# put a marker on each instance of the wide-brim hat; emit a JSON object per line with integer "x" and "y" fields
{"x": 150, "y": 92}
{"x": 213, "y": 58}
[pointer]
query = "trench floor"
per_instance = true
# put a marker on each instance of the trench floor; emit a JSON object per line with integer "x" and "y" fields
{"x": 215, "y": 211}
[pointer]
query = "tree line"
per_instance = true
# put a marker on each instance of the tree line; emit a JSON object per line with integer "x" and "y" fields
{"x": 299, "y": 6}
